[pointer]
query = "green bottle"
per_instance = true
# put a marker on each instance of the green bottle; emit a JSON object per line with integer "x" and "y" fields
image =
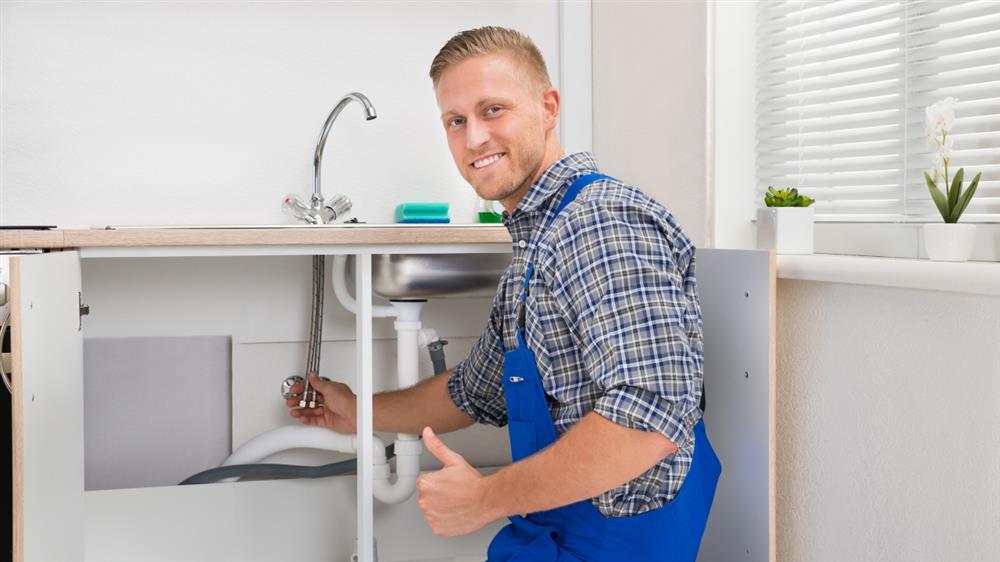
{"x": 489, "y": 211}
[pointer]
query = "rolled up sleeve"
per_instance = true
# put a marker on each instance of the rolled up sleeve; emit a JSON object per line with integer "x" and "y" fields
{"x": 476, "y": 383}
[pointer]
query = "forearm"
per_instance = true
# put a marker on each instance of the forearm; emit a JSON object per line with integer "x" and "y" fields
{"x": 594, "y": 456}
{"x": 425, "y": 404}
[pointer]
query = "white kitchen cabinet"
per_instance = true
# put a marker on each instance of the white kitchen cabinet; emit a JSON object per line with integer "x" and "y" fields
{"x": 255, "y": 520}
{"x": 47, "y": 407}
{"x": 204, "y": 522}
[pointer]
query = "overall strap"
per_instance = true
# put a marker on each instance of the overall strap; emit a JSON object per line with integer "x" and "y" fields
{"x": 574, "y": 189}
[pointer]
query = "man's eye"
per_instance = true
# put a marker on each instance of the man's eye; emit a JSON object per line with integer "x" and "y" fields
{"x": 456, "y": 122}
{"x": 494, "y": 109}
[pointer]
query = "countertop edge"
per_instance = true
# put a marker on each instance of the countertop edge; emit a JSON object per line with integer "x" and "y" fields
{"x": 346, "y": 236}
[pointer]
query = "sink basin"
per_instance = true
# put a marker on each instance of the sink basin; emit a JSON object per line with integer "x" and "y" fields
{"x": 421, "y": 276}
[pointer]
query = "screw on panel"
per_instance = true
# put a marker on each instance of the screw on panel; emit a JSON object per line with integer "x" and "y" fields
{"x": 746, "y": 374}
{"x": 746, "y": 294}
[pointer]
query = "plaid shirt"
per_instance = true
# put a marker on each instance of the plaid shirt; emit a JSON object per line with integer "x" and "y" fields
{"x": 612, "y": 315}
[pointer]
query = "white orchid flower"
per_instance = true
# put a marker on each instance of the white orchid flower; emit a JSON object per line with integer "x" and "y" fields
{"x": 942, "y": 113}
{"x": 940, "y": 116}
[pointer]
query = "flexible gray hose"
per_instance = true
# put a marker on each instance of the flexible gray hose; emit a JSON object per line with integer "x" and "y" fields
{"x": 436, "y": 350}
{"x": 273, "y": 471}
{"x": 263, "y": 470}
{"x": 316, "y": 320}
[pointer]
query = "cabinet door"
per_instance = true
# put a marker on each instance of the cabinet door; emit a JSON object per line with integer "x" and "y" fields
{"x": 47, "y": 352}
{"x": 738, "y": 303}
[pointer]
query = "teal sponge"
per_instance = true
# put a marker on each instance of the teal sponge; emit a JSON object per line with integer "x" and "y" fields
{"x": 422, "y": 213}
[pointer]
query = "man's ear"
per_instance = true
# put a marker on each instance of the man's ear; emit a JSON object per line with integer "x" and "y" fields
{"x": 550, "y": 107}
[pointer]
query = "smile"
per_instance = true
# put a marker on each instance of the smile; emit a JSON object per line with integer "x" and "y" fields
{"x": 479, "y": 164}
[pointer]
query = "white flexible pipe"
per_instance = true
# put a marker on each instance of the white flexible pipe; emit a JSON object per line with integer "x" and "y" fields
{"x": 298, "y": 437}
{"x": 313, "y": 437}
{"x": 346, "y": 300}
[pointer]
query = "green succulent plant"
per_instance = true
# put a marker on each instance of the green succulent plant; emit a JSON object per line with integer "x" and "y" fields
{"x": 785, "y": 197}
{"x": 952, "y": 204}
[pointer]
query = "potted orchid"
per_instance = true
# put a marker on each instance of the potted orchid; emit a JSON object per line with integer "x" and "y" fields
{"x": 785, "y": 223}
{"x": 948, "y": 241}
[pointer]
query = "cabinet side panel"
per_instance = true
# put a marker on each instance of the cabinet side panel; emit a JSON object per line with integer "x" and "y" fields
{"x": 48, "y": 398}
{"x": 736, "y": 290}
{"x": 17, "y": 412}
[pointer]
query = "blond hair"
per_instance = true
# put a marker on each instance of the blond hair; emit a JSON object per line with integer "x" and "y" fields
{"x": 487, "y": 41}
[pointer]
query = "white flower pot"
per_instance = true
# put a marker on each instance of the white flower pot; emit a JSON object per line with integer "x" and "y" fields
{"x": 786, "y": 230}
{"x": 949, "y": 242}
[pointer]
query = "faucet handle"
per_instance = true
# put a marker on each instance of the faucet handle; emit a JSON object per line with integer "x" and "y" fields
{"x": 339, "y": 205}
{"x": 293, "y": 205}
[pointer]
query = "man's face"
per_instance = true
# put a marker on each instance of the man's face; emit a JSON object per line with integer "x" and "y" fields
{"x": 496, "y": 121}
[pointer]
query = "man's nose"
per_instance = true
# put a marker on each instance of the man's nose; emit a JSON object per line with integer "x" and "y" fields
{"x": 477, "y": 133}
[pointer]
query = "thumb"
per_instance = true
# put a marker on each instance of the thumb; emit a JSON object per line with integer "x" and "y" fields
{"x": 440, "y": 450}
{"x": 318, "y": 383}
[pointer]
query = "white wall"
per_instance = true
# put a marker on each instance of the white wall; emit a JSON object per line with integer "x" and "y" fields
{"x": 208, "y": 113}
{"x": 649, "y": 102}
{"x": 888, "y": 434}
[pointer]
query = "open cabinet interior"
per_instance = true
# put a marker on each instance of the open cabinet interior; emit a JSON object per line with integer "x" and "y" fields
{"x": 107, "y": 420}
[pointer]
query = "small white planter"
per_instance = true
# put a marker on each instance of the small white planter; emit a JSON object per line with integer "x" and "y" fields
{"x": 786, "y": 230}
{"x": 949, "y": 242}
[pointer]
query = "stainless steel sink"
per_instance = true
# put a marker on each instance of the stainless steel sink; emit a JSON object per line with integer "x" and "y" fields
{"x": 419, "y": 276}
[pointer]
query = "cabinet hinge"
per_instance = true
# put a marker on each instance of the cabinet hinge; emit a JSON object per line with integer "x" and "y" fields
{"x": 84, "y": 309}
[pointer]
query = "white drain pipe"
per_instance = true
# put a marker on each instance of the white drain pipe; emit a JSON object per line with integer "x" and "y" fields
{"x": 407, "y": 446}
{"x": 346, "y": 300}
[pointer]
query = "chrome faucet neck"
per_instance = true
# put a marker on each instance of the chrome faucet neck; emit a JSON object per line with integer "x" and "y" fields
{"x": 318, "y": 207}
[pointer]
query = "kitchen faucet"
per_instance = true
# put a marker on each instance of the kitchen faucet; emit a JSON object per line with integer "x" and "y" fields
{"x": 319, "y": 211}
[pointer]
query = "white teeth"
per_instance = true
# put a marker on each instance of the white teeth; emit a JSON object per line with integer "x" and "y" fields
{"x": 486, "y": 161}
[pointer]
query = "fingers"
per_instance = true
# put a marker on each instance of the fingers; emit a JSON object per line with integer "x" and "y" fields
{"x": 315, "y": 382}
{"x": 333, "y": 401}
{"x": 294, "y": 402}
{"x": 306, "y": 415}
{"x": 319, "y": 384}
{"x": 440, "y": 450}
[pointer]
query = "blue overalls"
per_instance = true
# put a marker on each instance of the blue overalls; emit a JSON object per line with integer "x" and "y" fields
{"x": 579, "y": 532}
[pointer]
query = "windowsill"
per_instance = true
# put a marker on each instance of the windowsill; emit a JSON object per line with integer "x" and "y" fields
{"x": 975, "y": 277}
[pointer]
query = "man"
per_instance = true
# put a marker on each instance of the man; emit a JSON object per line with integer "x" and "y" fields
{"x": 592, "y": 354}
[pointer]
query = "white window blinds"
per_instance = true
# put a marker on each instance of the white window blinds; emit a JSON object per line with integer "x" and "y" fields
{"x": 841, "y": 91}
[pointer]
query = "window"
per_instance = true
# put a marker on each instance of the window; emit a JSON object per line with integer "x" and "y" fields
{"x": 841, "y": 91}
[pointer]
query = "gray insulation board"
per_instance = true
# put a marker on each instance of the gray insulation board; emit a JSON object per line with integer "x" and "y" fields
{"x": 156, "y": 409}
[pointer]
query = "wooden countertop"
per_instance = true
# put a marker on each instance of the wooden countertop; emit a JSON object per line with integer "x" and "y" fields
{"x": 334, "y": 235}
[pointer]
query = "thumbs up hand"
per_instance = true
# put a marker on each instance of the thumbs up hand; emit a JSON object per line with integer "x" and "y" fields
{"x": 452, "y": 499}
